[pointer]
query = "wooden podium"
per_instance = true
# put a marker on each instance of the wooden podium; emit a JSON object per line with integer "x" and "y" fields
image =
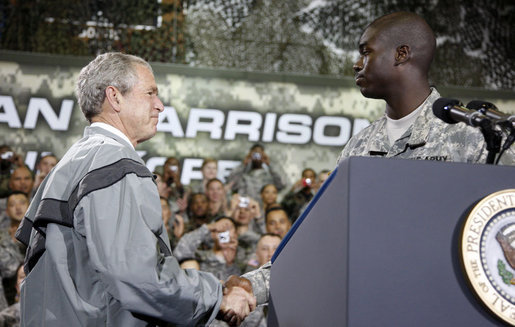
{"x": 379, "y": 246}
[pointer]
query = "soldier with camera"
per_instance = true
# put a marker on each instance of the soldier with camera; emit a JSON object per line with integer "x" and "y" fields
{"x": 255, "y": 172}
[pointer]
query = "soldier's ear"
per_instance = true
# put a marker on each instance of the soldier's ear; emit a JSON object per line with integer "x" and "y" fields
{"x": 402, "y": 54}
{"x": 113, "y": 97}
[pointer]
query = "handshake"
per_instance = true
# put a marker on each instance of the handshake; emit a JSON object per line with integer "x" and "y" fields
{"x": 237, "y": 302}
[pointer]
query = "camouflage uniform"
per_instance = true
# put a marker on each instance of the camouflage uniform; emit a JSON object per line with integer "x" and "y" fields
{"x": 429, "y": 138}
{"x": 10, "y": 316}
{"x": 5, "y": 222}
{"x": 260, "y": 279}
{"x": 248, "y": 182}
{"x": 258, "y": 225}
{"x": 257, "y": 318}
{"x": 10, "y": 260}
{"x": 188, "y": 248}
{"x": 247, "y": 243}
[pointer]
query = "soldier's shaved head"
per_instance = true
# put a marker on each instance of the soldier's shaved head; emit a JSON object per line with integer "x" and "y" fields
{"x": 405, "y": 28}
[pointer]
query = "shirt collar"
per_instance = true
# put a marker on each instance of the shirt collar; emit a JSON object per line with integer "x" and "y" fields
{"x": 114, "y": 130}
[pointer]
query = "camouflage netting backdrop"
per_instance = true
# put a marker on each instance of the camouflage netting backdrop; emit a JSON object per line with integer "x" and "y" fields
{"x": 476, "y": 42}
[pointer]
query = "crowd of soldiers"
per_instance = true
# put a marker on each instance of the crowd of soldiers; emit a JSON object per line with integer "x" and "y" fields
{"x": 223, "y": 227}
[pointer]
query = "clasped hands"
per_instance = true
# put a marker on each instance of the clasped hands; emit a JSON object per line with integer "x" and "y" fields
{"x": 238, "y": 300}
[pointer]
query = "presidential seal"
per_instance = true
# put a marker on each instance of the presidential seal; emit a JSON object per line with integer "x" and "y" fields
{"x": 488, "y": 253}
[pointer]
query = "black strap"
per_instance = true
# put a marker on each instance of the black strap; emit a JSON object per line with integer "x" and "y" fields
{"x": 61, "y": 212}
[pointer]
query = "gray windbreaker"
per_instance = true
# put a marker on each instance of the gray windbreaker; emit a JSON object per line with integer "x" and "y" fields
{"x": 98, "y": 251}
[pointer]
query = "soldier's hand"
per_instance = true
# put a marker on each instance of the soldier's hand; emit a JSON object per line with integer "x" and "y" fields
{"x": 238, "y": 300}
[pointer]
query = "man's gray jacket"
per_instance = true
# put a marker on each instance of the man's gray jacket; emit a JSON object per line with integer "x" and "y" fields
{"x": 98, "y": 251}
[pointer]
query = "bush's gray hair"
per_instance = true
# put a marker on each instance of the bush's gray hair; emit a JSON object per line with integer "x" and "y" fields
{"x": 108, "y": 69}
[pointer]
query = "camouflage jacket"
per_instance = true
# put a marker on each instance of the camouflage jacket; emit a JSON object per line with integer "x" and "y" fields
{"x": 260, "y": 279}
{"x": 257, "y": 318}
{"x": 5, "y": 222}
{"x": 10, "y": 260}
{"x": 10, "y": 316}
{"x": 188, "y": 248}
{"x": 429, "y": 138}
{"x": 249, "y": 182}
{"x": 209, "y": 262}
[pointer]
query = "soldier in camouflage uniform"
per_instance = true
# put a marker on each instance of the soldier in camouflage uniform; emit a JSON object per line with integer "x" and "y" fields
{"x": 220, "y": 260}
{"x": 409, "y": 129}
{"x": 265, "y": 249}
{"x": 255, "y": 172}
{"x": 429, "y": 138}
{"x": 395, "y": 55}
{"x": 295, "y": 201}
{"x": 10, "y": 260}
{"x": 10, "y": 316}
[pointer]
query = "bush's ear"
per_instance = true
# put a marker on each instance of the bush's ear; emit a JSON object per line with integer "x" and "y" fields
{"x": 402, "y": 54}
{"x": 112, "y": 96}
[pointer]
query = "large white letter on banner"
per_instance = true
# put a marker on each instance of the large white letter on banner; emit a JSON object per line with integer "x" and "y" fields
{"x": 172, "y": 123}
{"x": 56, "y": 123}
{"x": 10, "y": 114}
{"x": 234, "y": 126}
{"x": 213, "y": 127}
{"x": 342, "y": 123}
{"x": 294, "y": 128}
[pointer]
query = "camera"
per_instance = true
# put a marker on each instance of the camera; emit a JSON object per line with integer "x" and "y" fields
{"x": 306, "y": 182}
{"x": 256, "y": 156}
{"x": 6, "y": 155}
{"x": 244, "y": 202}
{"x": 224, "y": 237}
{"x": 6, "y": 159}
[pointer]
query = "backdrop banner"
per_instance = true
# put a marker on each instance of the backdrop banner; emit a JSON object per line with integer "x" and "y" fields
{"x": 302, "y": 121}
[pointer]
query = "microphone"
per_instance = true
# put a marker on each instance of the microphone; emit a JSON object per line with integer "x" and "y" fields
{"x": 452, "y": 111}
{"x": 503, "y": 120}
{"x": 490, "y": 110}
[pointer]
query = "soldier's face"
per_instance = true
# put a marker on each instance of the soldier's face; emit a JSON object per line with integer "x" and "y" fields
{"x": 277, "y": 222}
{"x": 21, "y": 180}
{"x": 374, "y": 67}
{"x": 46, "y": 164}
{"x": 266, "y": 247}
{"x": 215, "y": 191}
{"x": 17, "y": 205}
{"x": 269, "y": 194}
{"x": 244, "y": 216}
{"x": 210, "y": 170}
{"x": 199, "y": 205}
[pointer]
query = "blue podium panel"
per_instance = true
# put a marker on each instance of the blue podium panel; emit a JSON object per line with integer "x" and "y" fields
{"x": 380, "y": 247}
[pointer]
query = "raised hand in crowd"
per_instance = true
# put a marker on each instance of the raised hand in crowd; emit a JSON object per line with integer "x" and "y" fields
{"x": 182, "y": 202}
{"x": 307, "y": 181}
{"x": 219, "y": 226}
{"x": 10, "y": 158}
{"x": 178, "y": 226}
{"x": 257, "y": 156}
